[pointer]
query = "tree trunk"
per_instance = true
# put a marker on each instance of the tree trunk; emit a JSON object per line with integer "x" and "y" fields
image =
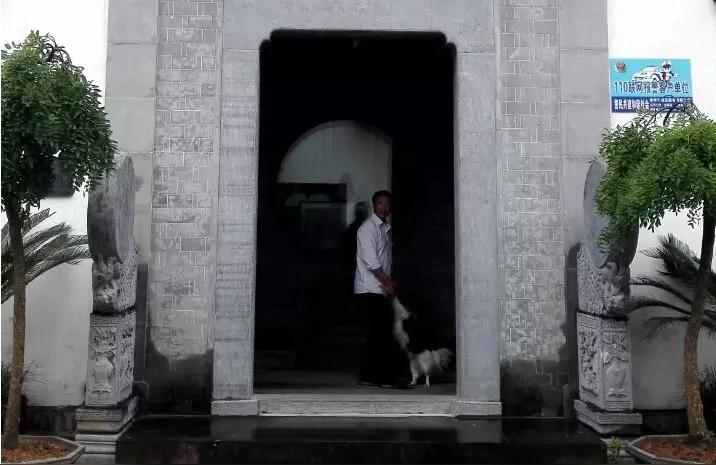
{"x": 694, "y": 406}
{"x": 12, "y": 415}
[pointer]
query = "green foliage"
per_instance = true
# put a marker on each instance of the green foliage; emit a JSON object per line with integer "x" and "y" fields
{"x": 615, "y": 446}
{"x": 652, "y": 168}
{"x": 49, "y": 110}
{"x": 44, "y": 249}
{"x": 681, "y": 266}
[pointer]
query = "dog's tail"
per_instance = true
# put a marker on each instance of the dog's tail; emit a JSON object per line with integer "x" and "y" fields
{"x": 400, "y": 314}
{"x": 399, "y": 311}
{"x": 443, "y": 357}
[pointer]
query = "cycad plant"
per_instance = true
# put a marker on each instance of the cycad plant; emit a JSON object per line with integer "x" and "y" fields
{"x": 45, "y": 248}
{"x": 677, "y": 280}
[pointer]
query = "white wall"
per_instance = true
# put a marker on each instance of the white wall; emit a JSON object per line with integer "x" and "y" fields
{"x": 60, "y": 301}
{"x": 668, "y": 29}
{"x": 341, "y": 152}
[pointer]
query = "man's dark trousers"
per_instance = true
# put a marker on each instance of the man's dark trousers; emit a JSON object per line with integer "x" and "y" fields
{"x": 384, "y": 362}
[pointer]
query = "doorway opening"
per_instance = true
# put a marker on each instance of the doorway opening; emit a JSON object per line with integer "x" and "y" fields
{"x": 342, "y": 115}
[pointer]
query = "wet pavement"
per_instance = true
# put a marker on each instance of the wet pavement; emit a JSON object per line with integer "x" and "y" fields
{"x": 204, "y": 439}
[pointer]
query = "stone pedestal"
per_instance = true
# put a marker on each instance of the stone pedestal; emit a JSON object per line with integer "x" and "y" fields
{"x": 109, "y": 406}
{"x": 110, "y": 367}
{"x": 605, "y": 392}
{"x": 603, "y": 341}
{"x": 98, "y": 428}
{"x": 106, "y": 419}
{"x": 604, "y": 350}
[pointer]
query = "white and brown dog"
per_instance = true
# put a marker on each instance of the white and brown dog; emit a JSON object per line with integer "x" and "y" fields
{"x": 423, "y": 361}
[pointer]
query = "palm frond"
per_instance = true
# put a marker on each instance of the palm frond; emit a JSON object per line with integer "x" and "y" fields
{"x": 34, "y": 240}
{"x": 70, "y": 251}
{"x": 636, "y": 303}
{"x": 68, "y": 255}
{"x": 655, "y": 324}
{"x": 679, "y": 261}
{"x": 44, "y": 250}
{"x": 52, "y": 246}
{"x": 661, "y": 284}
{"x": 30, "y": 223}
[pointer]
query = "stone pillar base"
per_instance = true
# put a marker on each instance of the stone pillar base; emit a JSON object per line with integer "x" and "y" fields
{"x": 604, "y": 422}
{"x": 98, "y": 429}
{"x": 240, "y": 408}
{"x": 100, "y": 444}
{"x": 105, "y": 419}
{"x": 477, "y": 408}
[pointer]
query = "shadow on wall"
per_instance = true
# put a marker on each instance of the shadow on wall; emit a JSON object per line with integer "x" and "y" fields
{"x": 537, "y": 387}
{"x": 178, "y": 385}
{"x": 533, "y": 387}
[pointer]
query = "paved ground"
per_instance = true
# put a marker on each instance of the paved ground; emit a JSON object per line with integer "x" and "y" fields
{"x": 172, "y": 439}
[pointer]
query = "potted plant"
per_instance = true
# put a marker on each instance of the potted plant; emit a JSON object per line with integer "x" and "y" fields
{"x": 657, "y": 163}
{"x": 49, "y": 111}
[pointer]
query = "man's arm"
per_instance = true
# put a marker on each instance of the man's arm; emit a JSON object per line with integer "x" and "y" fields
{"x": 388, "y": 284}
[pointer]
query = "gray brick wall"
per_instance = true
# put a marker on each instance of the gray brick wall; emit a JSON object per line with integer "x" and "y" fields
{"x": 184, "y": 198}
{"x": 531, "y": 226}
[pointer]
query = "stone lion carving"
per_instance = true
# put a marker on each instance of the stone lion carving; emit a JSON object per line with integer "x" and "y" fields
{"x": 105, "y": 283}
{"x": 113, "y": 283}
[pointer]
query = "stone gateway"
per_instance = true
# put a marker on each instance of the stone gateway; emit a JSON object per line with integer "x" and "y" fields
{"x": 185, "y": 96}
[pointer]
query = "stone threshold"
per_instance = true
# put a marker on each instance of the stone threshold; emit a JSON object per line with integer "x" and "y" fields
{"x": 363, "y": 405}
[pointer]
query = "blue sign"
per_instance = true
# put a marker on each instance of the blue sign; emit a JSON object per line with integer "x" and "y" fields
{"x": 649, "y": 83}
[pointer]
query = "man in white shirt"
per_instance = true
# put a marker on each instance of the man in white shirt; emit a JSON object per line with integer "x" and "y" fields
{"x": 384, "y": 360}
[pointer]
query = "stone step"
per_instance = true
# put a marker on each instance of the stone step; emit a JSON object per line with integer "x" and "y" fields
{"x": 355, "y": 405}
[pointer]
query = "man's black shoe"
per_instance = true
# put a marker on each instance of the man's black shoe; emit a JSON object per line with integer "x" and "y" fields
{"x": 400, "y": 384}
{"x": 367, "y": 382}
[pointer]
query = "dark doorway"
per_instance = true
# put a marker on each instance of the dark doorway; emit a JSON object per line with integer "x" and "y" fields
{"x": 399, "y": 85}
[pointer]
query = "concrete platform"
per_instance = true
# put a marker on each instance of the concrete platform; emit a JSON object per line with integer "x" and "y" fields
{"x": 278, "y": 440}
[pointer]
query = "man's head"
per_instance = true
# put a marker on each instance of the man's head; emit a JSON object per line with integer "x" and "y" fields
{"x": 382, "y": 204}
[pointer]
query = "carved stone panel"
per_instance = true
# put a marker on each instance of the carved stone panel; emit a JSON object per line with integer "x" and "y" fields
{"x": 604, "y": 362}
{"x": 110, "y": 367}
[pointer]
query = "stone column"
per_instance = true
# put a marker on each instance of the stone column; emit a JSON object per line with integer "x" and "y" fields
{"x": 478, "y": 321}
{"x": 109, "y": 405}
{"x": 603, "y": 343}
